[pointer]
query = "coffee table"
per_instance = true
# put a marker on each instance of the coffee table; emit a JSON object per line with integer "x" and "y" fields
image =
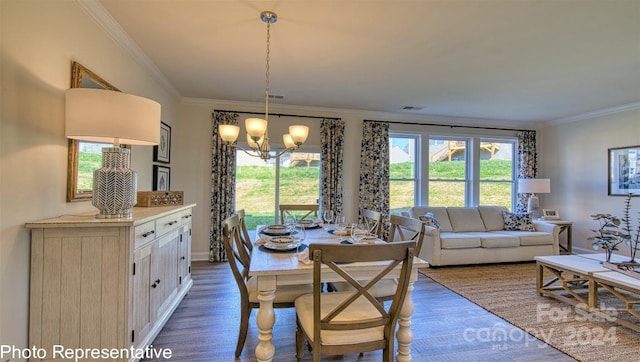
{"x": 576, "y": 279}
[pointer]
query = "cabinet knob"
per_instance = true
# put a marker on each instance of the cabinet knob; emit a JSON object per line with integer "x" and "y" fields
{"x": 183, "y": 258}
{"x": 150, "y": 232}
{"x": 172, "y": 222}
{"x": 158, "y": 281}
{"x": 154, "y": 285}
{"x": 186, "y": 216}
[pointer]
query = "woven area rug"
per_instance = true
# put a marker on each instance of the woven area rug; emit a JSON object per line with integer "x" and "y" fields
{"x": 509, "y": 291}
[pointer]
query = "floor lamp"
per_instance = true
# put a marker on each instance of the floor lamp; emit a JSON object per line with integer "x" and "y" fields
{"x": 534, "y": 186}
{"x": 116, "y": 118}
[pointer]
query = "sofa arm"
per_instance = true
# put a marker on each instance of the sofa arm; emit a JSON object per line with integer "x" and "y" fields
{"x": 431, "y": 245}
{"x": 552, "y": 229}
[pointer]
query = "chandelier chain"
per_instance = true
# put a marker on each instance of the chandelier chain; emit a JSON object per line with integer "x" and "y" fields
{"x": 266, "y": 81}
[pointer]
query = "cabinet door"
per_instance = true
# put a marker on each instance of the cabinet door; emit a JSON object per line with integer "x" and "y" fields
{"x": 143, "y": 316}
{"x": 184, "y": 254}
{"x": 164, "y": 266}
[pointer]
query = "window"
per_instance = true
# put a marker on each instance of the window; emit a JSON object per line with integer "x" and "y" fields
{"x": 448, "y": 181}
{"x": 293, "y": 178}
{"x": 497, "y": 171}
{"x": 456, "y": 170}
{"x": 402, "y": 172}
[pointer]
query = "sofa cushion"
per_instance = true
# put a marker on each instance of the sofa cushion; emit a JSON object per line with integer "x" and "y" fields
{"x": 531, "y": 237}
{"x": 513, "y": 221}
{"x": 492, "y": 217}
{"x": 495, "y": 240}
{"x": 465, "y": 219}
{"x": 439, "y": 212}
{"x": 430, "y": 220}
{"x": 459, "y": 240}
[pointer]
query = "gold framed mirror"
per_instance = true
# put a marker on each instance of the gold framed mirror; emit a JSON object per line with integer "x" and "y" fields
{"x": 84, "y": 156}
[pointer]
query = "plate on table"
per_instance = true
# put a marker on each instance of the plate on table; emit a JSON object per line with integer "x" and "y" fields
{"x": 370, "y": 237}
{"x": 281, "y": 246}
{"x": 308, "y": 224}
{"x": 282, "y": 239}
{"x": 275, "y": 230}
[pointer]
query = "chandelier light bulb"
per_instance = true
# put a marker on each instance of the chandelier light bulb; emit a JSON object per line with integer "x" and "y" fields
{"x": 288, "y": 141}
{"x": 229, "y": 133}
{"x": 256, "y": 127}
{"x": 299, "y": 134}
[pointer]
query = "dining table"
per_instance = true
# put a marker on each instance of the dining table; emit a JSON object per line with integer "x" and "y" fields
{"x": 275, "y": 268}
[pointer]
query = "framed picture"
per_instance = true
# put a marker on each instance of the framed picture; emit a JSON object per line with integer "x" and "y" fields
{"x": 550, "y": 214}
{"x": 624, "y": 171}
{"x": 161, "y": 178}
{"x": 162, "y": 152}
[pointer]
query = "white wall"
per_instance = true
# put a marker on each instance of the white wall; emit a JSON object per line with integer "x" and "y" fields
{"x": 39, "y": 40}
{"x": 574, "y": 156}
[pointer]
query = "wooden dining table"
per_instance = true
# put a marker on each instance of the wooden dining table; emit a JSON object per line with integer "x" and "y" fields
{"x": 273, "y": 269}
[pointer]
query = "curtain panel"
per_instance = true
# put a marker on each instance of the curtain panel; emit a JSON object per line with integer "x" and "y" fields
{"x": 332, "y": 156}
{"x": 223, "y": 178}
{"x": 527, "y": 164}
{"x": 374, "y": 169}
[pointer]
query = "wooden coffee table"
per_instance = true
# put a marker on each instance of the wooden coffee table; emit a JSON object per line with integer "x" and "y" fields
{"x": 576, "y": 279}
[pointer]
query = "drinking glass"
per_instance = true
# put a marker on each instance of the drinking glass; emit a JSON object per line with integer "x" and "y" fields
{"x": 300, "y": 236}
{"x": 327, "y": 216}
{"x": 358, "y": 231}
{"x": 341, "y": 224}
{"x": 290, "y": 223}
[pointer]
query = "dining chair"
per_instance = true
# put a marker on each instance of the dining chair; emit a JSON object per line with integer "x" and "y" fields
{"x": 353, "y": 321}
{"x": 239, "y": 258}
{"x": 402, "y": 229}
{"x": 311, "y": 210}
{"x": 244, "y": 233}
{"x": 374, "y": 221}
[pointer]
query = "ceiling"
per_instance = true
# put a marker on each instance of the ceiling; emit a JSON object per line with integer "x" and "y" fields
{"x": 501, "y": 60}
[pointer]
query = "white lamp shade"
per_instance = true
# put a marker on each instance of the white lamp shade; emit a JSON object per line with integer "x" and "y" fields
{"x": 106, "y": 116}
{"x": 256, "y": 127}
{"x": 288, "y": 141}
{"x": 299, "y": 133}
{"x": 534, "y": 186}
{"x": 228, "y": 132}
{"x": 252, "y": 143}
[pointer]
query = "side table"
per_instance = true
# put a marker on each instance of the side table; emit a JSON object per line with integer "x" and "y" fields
{"x": 565, "y": 227}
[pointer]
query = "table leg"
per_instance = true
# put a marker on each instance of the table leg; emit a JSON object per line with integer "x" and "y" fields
{"x": 266, "y": 318}
{"x": 539, "y": 276}
{"x": 404, "y": 336}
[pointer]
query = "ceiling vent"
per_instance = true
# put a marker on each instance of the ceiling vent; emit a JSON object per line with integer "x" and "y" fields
{"x": 275, "y": 96}
{"x": 412, "y": 108}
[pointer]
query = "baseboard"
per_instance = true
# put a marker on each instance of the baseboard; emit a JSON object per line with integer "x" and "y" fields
{"x": 200, "y": 256}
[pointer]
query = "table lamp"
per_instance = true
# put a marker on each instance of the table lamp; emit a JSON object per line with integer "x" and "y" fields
{"x": 534, "y": 186}
{"x": 106, "y": 116}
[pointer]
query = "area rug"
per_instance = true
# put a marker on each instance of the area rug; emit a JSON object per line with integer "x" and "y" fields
{"x": 509, "y": 291}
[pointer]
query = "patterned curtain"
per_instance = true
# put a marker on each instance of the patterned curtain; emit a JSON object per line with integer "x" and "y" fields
{"x": 223, "y": 178}
{"x": 527, "y": 163}
{"x": 332, "y": 156}
{"x": 374, "y": 169}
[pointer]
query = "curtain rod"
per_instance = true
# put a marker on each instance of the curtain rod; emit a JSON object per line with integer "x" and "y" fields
{"x": 452, "y": 126}
{"x": 278, "y": 114}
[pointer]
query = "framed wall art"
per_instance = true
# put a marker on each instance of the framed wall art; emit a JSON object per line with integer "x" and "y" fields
{"x": 161, "y": 178}
{"x": 624, "y": 171}
{"x": 162, "y": 152}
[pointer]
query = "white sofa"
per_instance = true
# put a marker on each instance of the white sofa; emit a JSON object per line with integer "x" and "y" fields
{"x": 475, "y": 235}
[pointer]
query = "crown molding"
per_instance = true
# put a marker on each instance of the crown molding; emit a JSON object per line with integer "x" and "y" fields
{"x": 595, "y": 114}
{"x": 354, "y": 113}
{"x": 101, "y": 16}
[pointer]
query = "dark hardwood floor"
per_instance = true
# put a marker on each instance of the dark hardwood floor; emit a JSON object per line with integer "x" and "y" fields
{"x": 446, "y": 327}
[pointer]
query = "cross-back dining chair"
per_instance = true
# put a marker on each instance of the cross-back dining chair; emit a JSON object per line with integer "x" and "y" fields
{"x": 374, "y": 221}
{"x": 353, "y": 321}
{"x": 244, "y": 233}
{"x": 239, "y": 258}
{"x": 311, "y": 211}
{"x": 402, "y": 229}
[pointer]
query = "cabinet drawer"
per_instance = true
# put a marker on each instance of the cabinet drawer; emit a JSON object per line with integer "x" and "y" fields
{"x": 185, "y": 216}
{"x": 168, "y": 223}
{"x": 144, "y": 233}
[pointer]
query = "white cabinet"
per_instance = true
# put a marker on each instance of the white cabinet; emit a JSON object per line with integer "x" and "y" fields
{"x": 108, "y": 283}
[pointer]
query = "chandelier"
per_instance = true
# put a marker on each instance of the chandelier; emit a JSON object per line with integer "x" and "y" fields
{"x": 257, "y": 134}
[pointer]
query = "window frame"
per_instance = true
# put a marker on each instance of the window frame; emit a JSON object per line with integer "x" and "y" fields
{"x": 475, "y": 137}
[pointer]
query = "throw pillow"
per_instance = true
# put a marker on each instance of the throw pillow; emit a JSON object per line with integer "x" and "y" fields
{"x": 430, "y": 220}
{"x": 520, "y": 222}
